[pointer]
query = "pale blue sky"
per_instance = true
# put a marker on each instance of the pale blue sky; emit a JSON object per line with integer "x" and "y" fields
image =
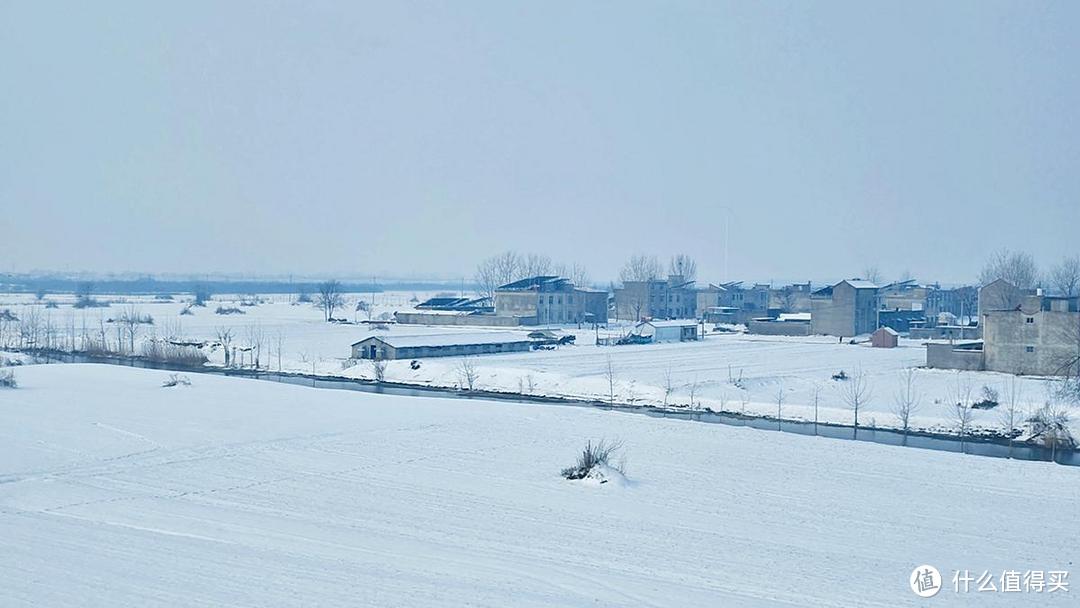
{"x": 416, "y": 138}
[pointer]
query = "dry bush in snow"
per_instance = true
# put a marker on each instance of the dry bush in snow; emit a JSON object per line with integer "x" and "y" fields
{"x": 594, "y": 455}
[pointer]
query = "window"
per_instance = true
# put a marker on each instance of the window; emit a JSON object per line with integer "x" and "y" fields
{"x": 1029, "y": 320}
{"x": 1029, "y": 349}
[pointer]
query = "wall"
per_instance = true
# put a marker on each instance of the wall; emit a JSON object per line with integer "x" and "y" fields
{"x": 422, "y": 318}
{"x": 945, "y": 356}
{"x": 834, "y": 316}
{"x": 778, "y": 328}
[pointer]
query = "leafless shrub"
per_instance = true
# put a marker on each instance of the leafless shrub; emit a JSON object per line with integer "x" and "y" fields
{"x": 230, "y": 310}
{"x": 378, "y": 369}
{"x": 1050, "y": 425}
{"x": 7, "y": 379}
{"x": 176, "y": 380}
{"x": 594, "y": 454}
{"x": 164, "y": 352}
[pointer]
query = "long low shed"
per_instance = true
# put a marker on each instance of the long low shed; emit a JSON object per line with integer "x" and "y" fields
{"x": 439, "y": 345}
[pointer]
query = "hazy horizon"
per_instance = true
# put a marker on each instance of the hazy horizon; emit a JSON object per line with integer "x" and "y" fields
{"x": 416, "y": 140}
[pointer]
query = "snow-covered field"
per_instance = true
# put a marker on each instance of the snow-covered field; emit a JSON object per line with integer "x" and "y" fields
{"x": 115, "y": 491}
{"x": 733, "y": 372}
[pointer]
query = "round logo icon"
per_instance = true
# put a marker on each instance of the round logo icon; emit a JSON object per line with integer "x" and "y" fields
{"x": 925, "y": 581}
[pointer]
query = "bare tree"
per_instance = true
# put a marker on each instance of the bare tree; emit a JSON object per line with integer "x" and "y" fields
{"x": 1016, "y": 267}
{"x": 1065, "y": 277}
{"x": 279, "y": 346}
{"x": 535, "y": 265}
{"x": 378, "y": 370}
{"x": 683, "y": 266}
{"x": 497, "y": 271}
{"x": 640, "y": 267}
{"x": 907, "y": 400}
{"x": 129, "y": 321}
{"x": 329, "y": 298}
{"x": 692, "y": 389}
{"x": 779, "y": 398}
{"x": 1011, "y": 414}
{"x": 256, "y": 338}
{"x": 635, "y": 298}
{"x": 467, "y": 374}
{"x": 815, "y": 398}
{"x": 872, "y": 273}
{"x": 961, "y": 398}
{"x": 578, "y": 275}
{"x": 609, "y": 375}
{"x": 669, "y": 385}
{"x": 225, "y": 338}
{"x": 855, "y": 392}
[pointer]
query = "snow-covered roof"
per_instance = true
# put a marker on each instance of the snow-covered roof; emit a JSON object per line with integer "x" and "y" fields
{"x": 447, "y": 339}
{"x": 889, "y": 331}
{"x": 861, "y": 284}
{"x": 676, "y": 323}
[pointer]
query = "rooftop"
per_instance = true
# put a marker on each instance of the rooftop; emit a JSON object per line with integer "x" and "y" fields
{"x": 447, "y": 339}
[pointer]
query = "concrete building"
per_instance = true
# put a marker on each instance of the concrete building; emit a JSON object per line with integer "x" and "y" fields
{"x": 734, "y": 303}
{"x": 667, "y": 331}
{"x": 904, "y": 295}
{"x": 438, "y": 345}
{"x": 1030, "y": 334}
{"x": 962, "y": 302}
{"x": 792, "y": 298}
{"x": 544, "y": 300}
{"x": 1000, "y": 295}
{"x": 846, "y": 309}
{"x": 673, "y": 298}
{"x": 1041, "y": 337}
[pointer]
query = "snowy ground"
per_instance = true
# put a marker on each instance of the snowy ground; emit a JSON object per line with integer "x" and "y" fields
{"x": 738, "y": 373}
{"x": 117, "y": 492}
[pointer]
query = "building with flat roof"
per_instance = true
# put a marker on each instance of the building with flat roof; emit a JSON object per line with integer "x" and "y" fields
{"x": 390, "y": 346}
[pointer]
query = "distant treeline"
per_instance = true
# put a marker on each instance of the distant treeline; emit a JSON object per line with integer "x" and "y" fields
{"x": 151, "y": 286}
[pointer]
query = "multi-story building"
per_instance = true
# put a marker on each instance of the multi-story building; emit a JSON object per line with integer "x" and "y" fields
{"x": 544, "y": 300}
{"x": 846, "y": 309}
{"x": 1039, "y": 336}
{"x": 671, "y": 298}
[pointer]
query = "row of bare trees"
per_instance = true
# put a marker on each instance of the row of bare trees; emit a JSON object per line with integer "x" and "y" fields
{"x": 1020, "y": 269}
{"x": 510, "y": 266}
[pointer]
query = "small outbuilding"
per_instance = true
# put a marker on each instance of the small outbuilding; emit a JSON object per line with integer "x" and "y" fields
{"x": 884, "y": 337}
{"x": 439, "y": 345}
{"x": 667, "y": 331}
